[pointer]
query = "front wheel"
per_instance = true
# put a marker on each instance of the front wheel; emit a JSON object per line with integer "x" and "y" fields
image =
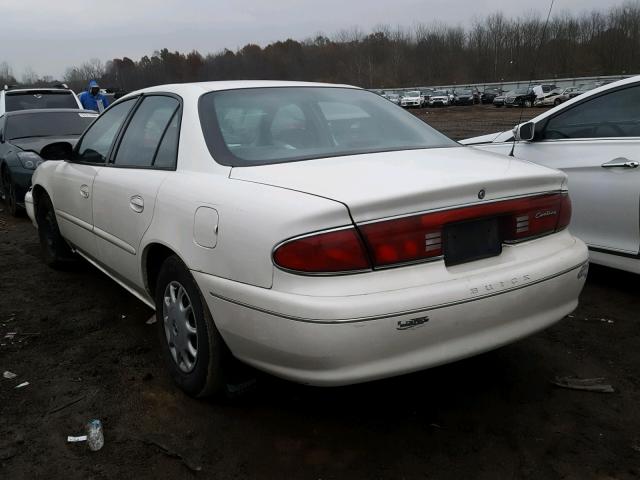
{"x": 55, "y": 250}
{"x": 10, "y": 194}
{"x": 191, "y": 344}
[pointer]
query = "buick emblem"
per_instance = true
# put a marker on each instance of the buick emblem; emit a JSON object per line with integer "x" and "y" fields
{"x": 481, "y": 194}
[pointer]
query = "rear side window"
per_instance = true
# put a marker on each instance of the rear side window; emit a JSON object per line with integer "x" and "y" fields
{"x": 615, "y": 114}
{"x": 145, "y": 131}
{"x": 168, "y": 151}
{"x": 96, "y": 143}
{"x": 39, "y": 99}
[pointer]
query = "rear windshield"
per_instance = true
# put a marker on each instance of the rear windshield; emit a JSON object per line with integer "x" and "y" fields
{"x": 284, "y": 124}
{"x": 34, "y": 99}
{"x": 47, "y": 124}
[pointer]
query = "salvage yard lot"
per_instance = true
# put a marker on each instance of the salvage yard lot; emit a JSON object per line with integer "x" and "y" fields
{"x": 85, "y": 348}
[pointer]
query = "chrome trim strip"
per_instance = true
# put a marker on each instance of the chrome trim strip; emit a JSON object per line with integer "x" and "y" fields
{"x": 74, "y": 220}
{"x": 114, "y": 240}
{"x": 394, "y": 314}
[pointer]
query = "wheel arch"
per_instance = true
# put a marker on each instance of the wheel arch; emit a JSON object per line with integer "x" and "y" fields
{"x": 38, "y": 192}
{"x": 153, "y": 256}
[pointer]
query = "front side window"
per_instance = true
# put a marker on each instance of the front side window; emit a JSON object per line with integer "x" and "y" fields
{"x": 145, "y": 131}
{"x": 615, "y": 114}
{"x": 96, "y": 143}
{"x": 273, "y": 125}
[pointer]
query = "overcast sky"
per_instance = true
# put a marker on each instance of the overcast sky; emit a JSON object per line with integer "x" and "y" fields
{"x": 50, "y": 36}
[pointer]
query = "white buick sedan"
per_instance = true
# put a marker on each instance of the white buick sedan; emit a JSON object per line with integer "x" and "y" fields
{"x": 595, "y": 139}
{"x": 317, "y": 232}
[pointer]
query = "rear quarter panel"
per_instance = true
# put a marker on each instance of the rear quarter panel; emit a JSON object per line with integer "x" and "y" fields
{"x": 252, "y": 219}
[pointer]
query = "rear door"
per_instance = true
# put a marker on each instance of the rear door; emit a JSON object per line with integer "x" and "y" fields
{"x": 125, "y": 191}
{"x": 73, "y": 180}
{"x": 597, "y": 143}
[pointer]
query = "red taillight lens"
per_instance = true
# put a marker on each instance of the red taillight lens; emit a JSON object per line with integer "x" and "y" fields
{"x": 331, "y": 252}
{"x": 419, "y": 237}
{"x": 565, "y": 213}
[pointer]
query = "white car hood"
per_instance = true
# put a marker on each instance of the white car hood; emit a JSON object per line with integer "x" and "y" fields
{"x": 381, "y": 185}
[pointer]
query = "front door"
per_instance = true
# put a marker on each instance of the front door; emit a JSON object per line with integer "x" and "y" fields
{"x": 73, "y": 180}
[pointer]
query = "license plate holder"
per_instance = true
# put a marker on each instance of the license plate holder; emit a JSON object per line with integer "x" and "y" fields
{"x": 472, "y": 240}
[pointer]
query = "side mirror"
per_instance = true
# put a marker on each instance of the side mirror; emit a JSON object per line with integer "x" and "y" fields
{"x": 525, "y": 132}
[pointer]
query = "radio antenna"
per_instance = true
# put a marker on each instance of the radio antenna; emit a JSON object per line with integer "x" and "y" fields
{"x": 533, "y": 71}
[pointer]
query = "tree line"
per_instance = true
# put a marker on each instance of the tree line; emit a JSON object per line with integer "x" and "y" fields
{"x": 490, "y": 50}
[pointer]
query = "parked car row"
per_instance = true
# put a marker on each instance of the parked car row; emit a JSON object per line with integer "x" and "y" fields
{"x": 321, "y": 234}
{"x": 545, "y": 95}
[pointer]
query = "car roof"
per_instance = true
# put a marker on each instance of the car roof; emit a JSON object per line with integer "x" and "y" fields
{"x": 204, "y": 87}
{"x": 47, "y": 110}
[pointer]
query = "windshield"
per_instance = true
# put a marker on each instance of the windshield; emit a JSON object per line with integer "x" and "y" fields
{"x": 47, "y": 124}
{"x": 413, "y": 94}
{"x": 440, "y": 93}
{"x": 271, "y": 125}
{"x": 34, "y": 99}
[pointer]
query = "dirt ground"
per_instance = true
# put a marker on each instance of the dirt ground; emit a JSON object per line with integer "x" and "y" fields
{"x": 84, "y": 346}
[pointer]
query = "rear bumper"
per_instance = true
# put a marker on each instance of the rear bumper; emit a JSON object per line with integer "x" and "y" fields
{"x": 337, "y": 340}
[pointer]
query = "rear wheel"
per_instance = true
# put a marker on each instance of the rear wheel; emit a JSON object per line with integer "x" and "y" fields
{"x": 55, "y": 250}
{"x": 557, "y": 102}
{"x": 9, "y": 189}
{"x": 191, "y": 344}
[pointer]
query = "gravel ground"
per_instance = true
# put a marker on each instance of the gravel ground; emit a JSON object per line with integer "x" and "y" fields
{"x": 84, "y": 346}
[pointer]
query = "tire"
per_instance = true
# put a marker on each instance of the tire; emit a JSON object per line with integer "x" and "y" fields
{"x": 10, "y": 194}
{"x": 203, "y": 374}
{"x": 55, "y": 250}
{"x": 556, "y": 102}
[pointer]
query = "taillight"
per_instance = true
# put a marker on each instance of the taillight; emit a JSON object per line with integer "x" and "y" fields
{"x": 330, "y": 252}
{"x": 419, "y": 237}
{"x": 565, "y": 213}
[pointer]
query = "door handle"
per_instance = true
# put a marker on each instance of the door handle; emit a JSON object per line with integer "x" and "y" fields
{"x": 621, "y": 162}
{"x": 84, "y": 191}
{"x": 136, "y": 203}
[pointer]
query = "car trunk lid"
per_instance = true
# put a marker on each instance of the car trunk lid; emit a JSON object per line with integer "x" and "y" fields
{"x": 382, "y": 185}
